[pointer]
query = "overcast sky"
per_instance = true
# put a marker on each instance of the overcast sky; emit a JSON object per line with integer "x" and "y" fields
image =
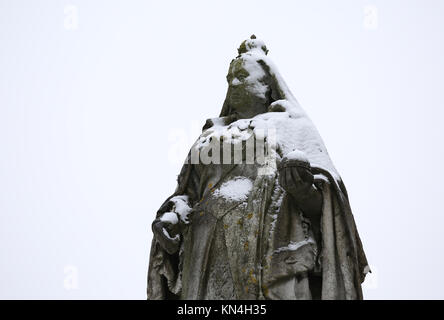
{"x": 101, "y": 100}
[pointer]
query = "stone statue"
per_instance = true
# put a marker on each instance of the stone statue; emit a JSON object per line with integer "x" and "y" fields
{"x": 259, "y": 211}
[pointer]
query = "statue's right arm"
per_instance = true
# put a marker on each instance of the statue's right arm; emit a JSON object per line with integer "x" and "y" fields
{"x": 167, "y": 231}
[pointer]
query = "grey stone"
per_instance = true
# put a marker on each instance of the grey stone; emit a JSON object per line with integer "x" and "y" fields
{"x": 281, "y": 228}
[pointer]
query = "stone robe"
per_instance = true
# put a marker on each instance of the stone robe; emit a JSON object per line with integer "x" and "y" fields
{"x": 259, "y": 246}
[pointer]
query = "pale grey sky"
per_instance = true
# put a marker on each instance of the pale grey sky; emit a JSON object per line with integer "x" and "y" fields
{"x": 100, "y": 101}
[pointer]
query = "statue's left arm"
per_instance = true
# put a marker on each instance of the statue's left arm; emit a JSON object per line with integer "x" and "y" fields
{"x": 298, "y": 181}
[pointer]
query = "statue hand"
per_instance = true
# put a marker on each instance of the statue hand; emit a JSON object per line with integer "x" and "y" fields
{"x": 296, "y": 180}
{"x": 162, "y": 235}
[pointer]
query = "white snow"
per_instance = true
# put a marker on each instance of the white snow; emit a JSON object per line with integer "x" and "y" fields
{"x": 367, "y": 269}
{"x": 165, "y": 232}
{"x": 273, "y": 224}
{"x": 255, "y": 46}
{"x": 320, "y": 176}
{"x": 235, "y": 133}
{"x": 256, "y": 73}
{"x": 293, "y": 128}
{"x": 293, "y": 131}
{"x": 296, "y": 155}
{"x": 170, "y": 217}
{"x": 235, "y": 190}
{"x": 293, "y": 246}
{"x": 235, "y": 82}
{"x": 181, "y": 207}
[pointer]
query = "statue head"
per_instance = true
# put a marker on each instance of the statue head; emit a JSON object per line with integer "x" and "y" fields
{"x": 249, "y": 90}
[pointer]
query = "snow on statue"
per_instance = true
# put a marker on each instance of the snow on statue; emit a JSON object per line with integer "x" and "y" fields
{"x": 259, "y": 211}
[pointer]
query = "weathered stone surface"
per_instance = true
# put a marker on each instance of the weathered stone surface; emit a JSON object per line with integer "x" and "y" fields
{"x": 268, "y": 222}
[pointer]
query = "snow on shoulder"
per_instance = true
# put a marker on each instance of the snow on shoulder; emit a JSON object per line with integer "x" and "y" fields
{"x": 237, "y": 189}
{"x": 294, "y": 132}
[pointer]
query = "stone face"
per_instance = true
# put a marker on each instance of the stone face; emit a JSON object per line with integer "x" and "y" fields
{"x": 268, "y": 217}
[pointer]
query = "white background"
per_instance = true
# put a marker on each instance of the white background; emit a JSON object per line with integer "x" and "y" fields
{"x": 100, "y": 101}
